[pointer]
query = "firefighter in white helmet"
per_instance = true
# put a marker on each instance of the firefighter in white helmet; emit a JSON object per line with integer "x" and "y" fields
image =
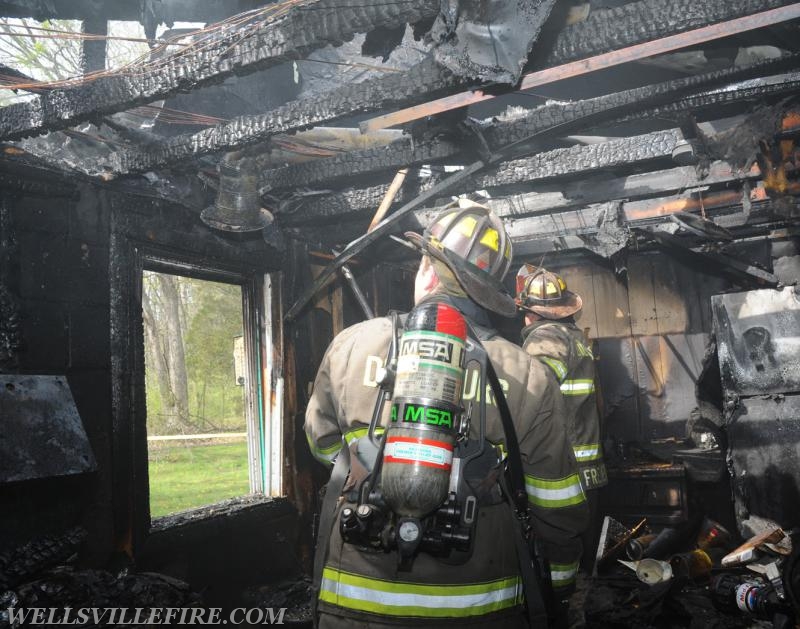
{"x": 552, "y": 336}
{"x": 465, "y": 254}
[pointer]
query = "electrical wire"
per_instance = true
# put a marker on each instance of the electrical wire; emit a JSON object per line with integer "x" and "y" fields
{"x": 239, "y": 28}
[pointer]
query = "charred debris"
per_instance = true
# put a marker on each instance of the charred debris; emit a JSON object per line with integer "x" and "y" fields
{"x": 647, "y": 150}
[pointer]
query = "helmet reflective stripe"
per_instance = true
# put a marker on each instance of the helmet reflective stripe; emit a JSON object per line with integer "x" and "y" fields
{"x": 554, "y": 494}
{"x": 392, "y": 598}
{"x": 588, "y": 452}
{"x": 474, "y": 234}
{"x": 557, "y": 366}
{"x": 577, "y": 387}
{"x": 563, "y": 574}
{"x": 326, "y": 454}
{"x": 491, "y": 239}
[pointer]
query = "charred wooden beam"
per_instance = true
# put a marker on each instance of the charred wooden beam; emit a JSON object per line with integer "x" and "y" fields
{"x": 293, "y": 33}
{"x": 600, "y": 227}
{"x": 610, "y": 29}
{"x": 556, "y": 197}
{"x": 711, "y": 261}
{"x": 370, "y": 95}
{"x": 409, "y": 153}
{"x": 296, "y": 115}
{"x": 749, "y": 91}
{"x": 547, "y": 165}
{"x": 93, "y": 58}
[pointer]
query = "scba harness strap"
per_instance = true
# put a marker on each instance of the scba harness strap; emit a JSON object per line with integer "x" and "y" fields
{"x": 534, "y": 584}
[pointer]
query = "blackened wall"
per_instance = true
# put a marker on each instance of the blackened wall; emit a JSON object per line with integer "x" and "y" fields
{"x": 57, "y": 257}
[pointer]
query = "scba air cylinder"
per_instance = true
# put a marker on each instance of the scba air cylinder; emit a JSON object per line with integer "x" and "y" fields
{"x": 418, "y": 455}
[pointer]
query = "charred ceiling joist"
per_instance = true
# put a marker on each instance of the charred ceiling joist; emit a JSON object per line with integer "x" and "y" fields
{"x": 539, "y": 167}
{"x": 293, "y": 32}
{"x": 407, "y": 152}
{"x": 611, "y": 29}
{"x": 415, "y": 84}
{"x": 634, "y": 25}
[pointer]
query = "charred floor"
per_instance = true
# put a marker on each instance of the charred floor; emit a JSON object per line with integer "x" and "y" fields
{"x": 275, "y": 153}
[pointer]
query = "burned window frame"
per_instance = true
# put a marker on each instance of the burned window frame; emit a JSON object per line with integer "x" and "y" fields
{"x": 261, "y": 300}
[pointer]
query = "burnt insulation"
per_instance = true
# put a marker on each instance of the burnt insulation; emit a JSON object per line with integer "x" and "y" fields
{"x": 491, "y": 39}
{"x": 291, "y": 36}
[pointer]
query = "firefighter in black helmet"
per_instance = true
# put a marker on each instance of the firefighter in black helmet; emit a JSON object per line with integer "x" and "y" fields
{"x": 465, "y": 253}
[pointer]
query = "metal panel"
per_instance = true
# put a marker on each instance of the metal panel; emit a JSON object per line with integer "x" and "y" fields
{"x": 42, "y": 434}
{"x": 764, "y": 454}
{"x": 758, "y": 336}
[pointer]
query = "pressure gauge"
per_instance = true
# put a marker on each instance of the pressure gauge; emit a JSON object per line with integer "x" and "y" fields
{"x": 408, "y": 531}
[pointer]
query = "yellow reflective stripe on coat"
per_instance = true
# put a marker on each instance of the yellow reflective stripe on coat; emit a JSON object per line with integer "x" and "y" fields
{"x": 577, "y": 387}
{"x": 326, "y": 454}
{"x": 554, "y": 494}
{"x": 356, "y": 433}
{"x": 393, "y": 598}
{"x": 559, "y": 368}
{"x": 587, "y": 452}
{"x": 563, "y": 574}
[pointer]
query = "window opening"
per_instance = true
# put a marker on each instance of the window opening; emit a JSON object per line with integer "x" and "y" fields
{"x": 198, "y": 389}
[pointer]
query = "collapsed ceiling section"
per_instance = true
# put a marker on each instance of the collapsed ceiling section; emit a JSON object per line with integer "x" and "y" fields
{"x": 589, "y": 126}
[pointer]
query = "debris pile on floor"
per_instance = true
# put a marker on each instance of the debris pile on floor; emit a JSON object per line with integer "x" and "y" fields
{"x": 695, "y": 575}
{"x": 39, "y": 575}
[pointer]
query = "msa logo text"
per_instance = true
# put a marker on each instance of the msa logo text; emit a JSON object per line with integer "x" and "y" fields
{"x": 424, "y": 415}
{"x": 430, "y": 349}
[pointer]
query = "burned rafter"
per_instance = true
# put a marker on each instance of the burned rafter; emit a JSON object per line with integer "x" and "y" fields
{"x": 610, "y": 29}
{"x": 711, "y": 261}
{"x": 407, "y": 152}
{"x": 416, "y": 83}
{"x": 291, "y": 35}
{"x": 601, "y": 227}
{"x": 578, "y": 160}
{"x": 369, "y": 96}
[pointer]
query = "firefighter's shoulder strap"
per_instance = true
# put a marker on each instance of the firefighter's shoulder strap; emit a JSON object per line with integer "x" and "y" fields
{"x": 533, "y": 582}
{"x": 327, "y": 513}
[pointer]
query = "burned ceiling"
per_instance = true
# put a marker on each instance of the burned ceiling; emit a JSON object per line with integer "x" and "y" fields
{"x": 588, "y": 124}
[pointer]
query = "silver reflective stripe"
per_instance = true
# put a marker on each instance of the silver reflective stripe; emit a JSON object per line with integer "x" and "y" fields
{"x": 577, "y": 387}
{"x": 563, "y": 574}
{"x": 590, "y": 452}
{"x": 393, "y": 598}
{"x": 554, "y": 494}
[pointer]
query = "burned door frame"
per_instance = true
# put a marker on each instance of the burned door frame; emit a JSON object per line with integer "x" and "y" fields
{"x": 161, "y": 244}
